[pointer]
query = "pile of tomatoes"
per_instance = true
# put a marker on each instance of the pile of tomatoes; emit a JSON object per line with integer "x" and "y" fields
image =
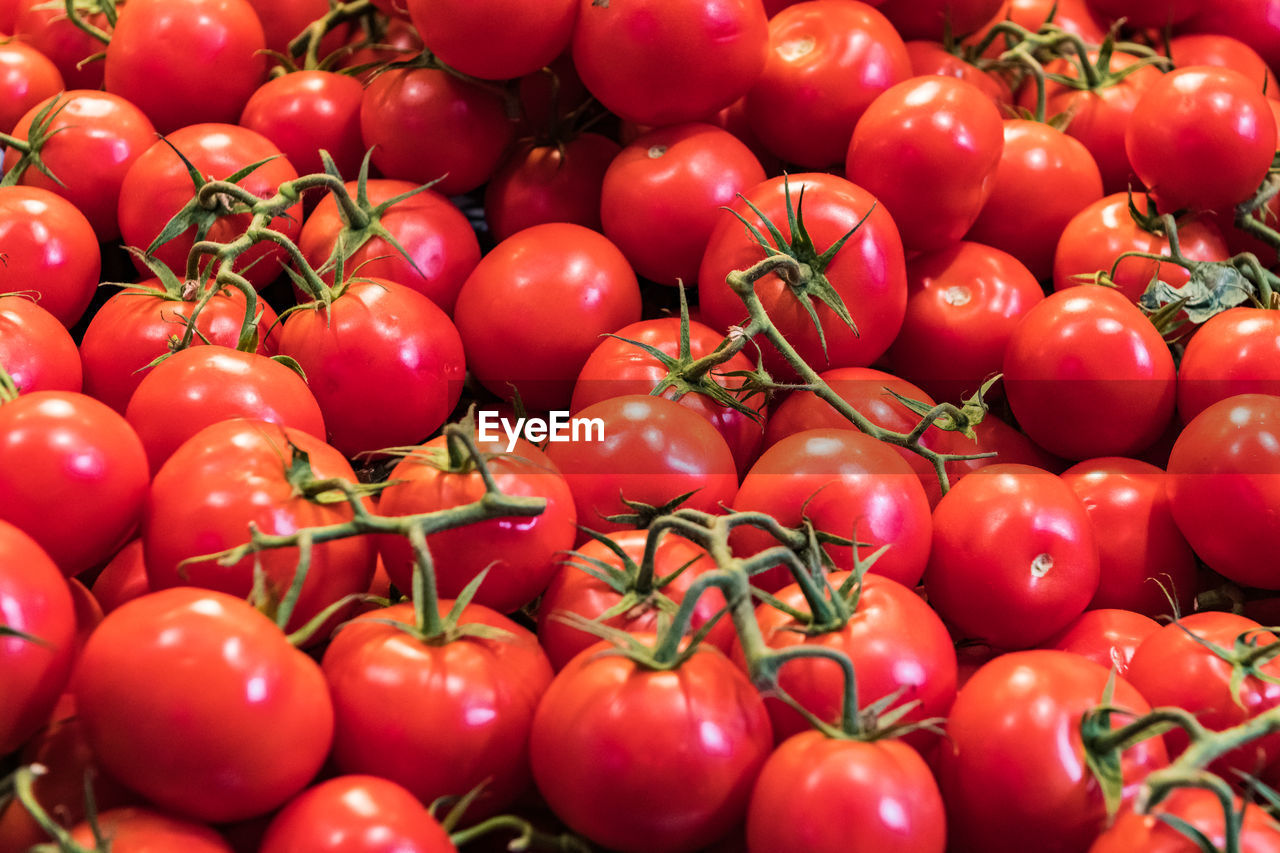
{"x": 919, "y": 368}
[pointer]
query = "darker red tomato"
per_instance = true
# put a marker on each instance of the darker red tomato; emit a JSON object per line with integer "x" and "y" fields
{"x": 936, "y": 19}
{"x": 1107, "y": 637}
{"x": 1250, "y": 21}
{"x": 549, "y": 183}
{"x": 27, "y": 77}
{"x": 49, "y": 249}
{"x": 1233, "y": 353}
{"x": 36, "y": 350}
{"x": 494, "y": 39}
{"x": 309, "y": 111}
{"x": 1147, "y": 14}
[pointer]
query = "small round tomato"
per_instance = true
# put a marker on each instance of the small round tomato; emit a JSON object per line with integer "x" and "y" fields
{"x": 494, "y": 39}
{"x": 1215, "y": 49}
{"x": 27, "y": 77}
{"x": 549, "y": 183}
{"x": 49, "y": 247}
{"x": 36, "y": 350}
{"x": 1107, "y": 637}
{"x": 309, "y": 111}
{"x": 1234, "y": 352}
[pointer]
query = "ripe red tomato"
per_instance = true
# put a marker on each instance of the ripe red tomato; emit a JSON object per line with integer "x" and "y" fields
{"x": 930, "y": 57}
{"x": 136, "y": 829}
{"x": 437, "y": 717}
{"x": 494, "y": 39}
{"x": 309, "y": 111}
{"x": 1197, "y": 115}
{"x": 49, "y": 248}
{"x": 1250, "y": 21}
{"x": 47, "y": 29}
{"x": 934, "y": 19}
{"x": 827, "y": 61}
{"x": 36, "y": 350}
{"x": 123, "y": 579}
{"x": 27, "y": 77}
{"x": 1222, "y": 484}
{"x": 1088, "y": 375}
{"x": 825, "y": 795}
{"x": 284, "y": 20}
{"x": 1073, "y": 16}
{"x": 1232, "y": 353}
{"x": 1202, "y": 810}
{"x": 1107, "y": 637}
{"x": 928, "y": 131}
{"x": 1014, "y": 556}
{"x": 198, "y": 702}
{"x": 659, "y": 62}
{"x": 1147, "y": 14}
{"x": 549, "y": 183}
{"x": 1215, "y": 49}
{"x": 594, "y": 757}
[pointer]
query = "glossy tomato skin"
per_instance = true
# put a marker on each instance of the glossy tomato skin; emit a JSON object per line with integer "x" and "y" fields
{"x": 35, "y": 600}
{"x": 546, "y": 294}
{"x": 1222, "y": 483}
{"x": 156, "y": 60}
{"x": 831, "y": 796}
{"x": 494, "y": 39}
{"x": 549, "y": 183}
{"x": 848, "y": 484}
{"x": 660, "y": 63}
{"x": 122, "y": 579}
{"x": 67, "y": 462}
{"x": 1196, "y": 115}
{"x": 36, "y": 350}
{"x": 355, "y": 814}
{"x": 1108, "y": 637}
{"x": 161, "y": 689}
{"x": 930, "y": 57}
{"x": 48, "y": 30}
{"x": 1215, "y": 49}
{"x": 384, "y": 363}
{"x": 308, "y": 111}
{"x": 1087, "y": 375}
{"x": 1199, "y": 807}
{"x": 135, "y": 829}
{"x": 827, "y": 61}
{"x": 896, "y": 643}
{"x": 928, "y": 131}
{"x": 1018, "y": 717}
{"x": 1232, "y": 353}
{"x": 437, "y": 718}
{"x": 594, "y": 759}
{"x": 1073, "y": 16}
{"x": 27, "y": 77}
{"x": 962, "y": 305}
{"x": 1014, "y": 556}
{"x": 1250, "y": 21}
{"x": 869, "y": 272}
{"x": 50, "y": 248}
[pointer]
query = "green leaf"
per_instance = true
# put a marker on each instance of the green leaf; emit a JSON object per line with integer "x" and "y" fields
{"x": 1104, "y": 764}
{"x": 1211, "y": 289}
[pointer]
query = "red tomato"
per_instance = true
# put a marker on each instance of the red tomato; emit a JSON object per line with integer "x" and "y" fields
{"x": 928, "y": 131}
{"x": 827, "y": 61}
{"x": 196, "y": 701}
{"x": 1014, "y": 556}
{"x": 69, "y": 463}
{"x": 1147, "y": 14}
{"x": 355, "y": 814}
{"x": 535, "y": 307}
{"x": 309, "y": 111}
{"x": 139, "y": 830}
{"x": 123, "y": 579}
{"x": 1150, "y": 833}
{"x": 962, "y": 306}
{"x": 868, "y": 272}
{"x": 1087, "y": 375}
{"x": 27, "y": 77}
{"x": 49, "y": 248}
{"x": 663, "y": 193}
{"x": 826, "y": 795}
{"x": 1250, "y": 21}
{"x": 1107, "y": 637}
{"x": 8, "y": 13}
{"x": 845, "y": 483}
{"x": 549, "y": 183}
{"x": 1143, "y": 558}
{"x": 1233, "y": 353}
{"x": 1009, "y": 445}
{"x": 48, "y": 30}
{"x": 1018, "y": 718}
{"x": 1199, "y": 115}
{"x": 437, "y": 717}
{"x": 520, "y": 553}
{"x": 234, "y": 473}
{"x": 660, "y": 62}
{"x": 34, "y": 600}
{"x": 1221, "y": 486}
{"x": 1225, "y": 51}
{"x": 494, "y": 39}
{"x": 36, "y": 350}
{"x": 1074, "y": 16}
{"x": 594, "y": 758}
{"x": 935, "y": 19}
{"x": 930, "y": 57}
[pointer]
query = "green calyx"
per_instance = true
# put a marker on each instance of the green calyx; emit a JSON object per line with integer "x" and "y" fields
{"x": 38, "y": 136}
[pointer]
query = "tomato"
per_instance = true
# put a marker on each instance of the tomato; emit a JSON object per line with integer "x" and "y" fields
{"x": 438, "y": 717}
{"x": 1225, "y": 51}
{"x": 1073, "y": 16}
{"x": 616, "y": 368}
{"x": 49, "y": 248}
{"x": 1150, "y": 833}
{"x": 1250, "y": 21}
{"x": 425, "y": 124}
{"x": 1221, "y": 487}
{"x": 162, "y": 687}
{"x": 845, "y": 483}
{"x": 520, "y": 553}
{"x": 234, "y": 473}
{"x": 1144, "y": 559}
{"x": 827, "y": 61}
{"x": 36, "y": 350}
{"x": 158, "y": 185}
{"x": 47, "y": 29}
{"x": 440, "y": 246}
{"x": 594, "y": 756}
{"x": 1014, "y": 556}
{"x": 661, "y": 62}
{"x": 1008, "y": 445}
{"x": 203, "y": 385}
{"x": 1232, "y": 353}
{"x": 1108, "y": 637}
{"x": 930, "y": 57}
{"x": 1199, "y": 115}
{"x": 27, "y": 77}
{"x": 662, "y": 196}
{"x": 138, "y": 830}
{"x": 1088, "y": 375}
{"x": 307, "y": 112}
{"x": 647, "y": 449}
{"x": 549, "y": 183}
{"x": 34, "y": 600}
{"x": 8, "y": 13}
{"x": 962, "y": 306}
{"x": 535, "y": 307}
{"x": 355, "y": 814}
{"x": 935, "y": 19}
{"x": 826, "y": 795}
{"x": 140, "y": 323}
{"x": 494, "y": 39}
{"x": 897, "y": 644}
{"x": 284, "y": 20}
{"x": 1018, "y": 718}
{"x": 868, "y": 272}
{"x": 186, "y": 61}
{"x": 1147, "y": 14}
{"x": 1205, "y": 684}
{"x": 123, "y": 578}
{"x": 573, "y": 590}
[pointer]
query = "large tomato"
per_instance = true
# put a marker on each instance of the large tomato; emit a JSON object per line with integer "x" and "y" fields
{"x": 1251, "y": 21}
{"x": 494, "y": 39}
{"x": 549, "y": 183}
{"x": 36, "y": 350}
{"x": 309, "y": 111}
{"x": 49, "y": 248}
{"x": 1234, "y": 352}
{"x": 1107, "y": 637}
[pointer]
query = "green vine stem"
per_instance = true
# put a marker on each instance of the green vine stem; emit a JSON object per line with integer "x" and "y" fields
{"x": 528, "y": 837}
{"x": 307, "y": 43}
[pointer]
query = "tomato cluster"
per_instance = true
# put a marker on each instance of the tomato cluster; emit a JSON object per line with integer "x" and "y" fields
{"x": 636, "y": 425}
